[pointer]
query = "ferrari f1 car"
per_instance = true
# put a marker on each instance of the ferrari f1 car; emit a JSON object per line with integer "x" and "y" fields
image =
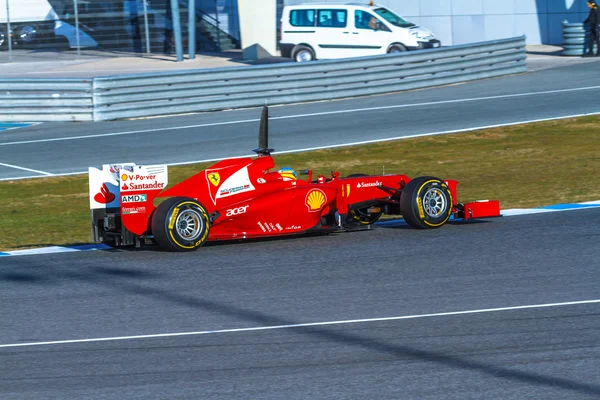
{"x": 243, "y": 198}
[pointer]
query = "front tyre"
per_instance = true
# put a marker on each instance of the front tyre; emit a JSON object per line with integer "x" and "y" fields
{"x": 302, "y": 53}
{"x": 396, "y": 48}
{"x": 426, "y": 203}
{"x": 180, "y": 224}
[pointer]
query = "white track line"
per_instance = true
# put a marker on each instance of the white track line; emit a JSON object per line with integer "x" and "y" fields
{"x": 26, "y": 169}
{"x": 508, "y": 96}
{"x": 290, "y": 326}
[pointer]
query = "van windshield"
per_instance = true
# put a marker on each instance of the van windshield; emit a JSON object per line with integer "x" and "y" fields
{"x": 393, "y": 18}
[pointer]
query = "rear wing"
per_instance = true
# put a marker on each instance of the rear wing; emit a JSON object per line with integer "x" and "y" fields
{"x": 121, "y": 200}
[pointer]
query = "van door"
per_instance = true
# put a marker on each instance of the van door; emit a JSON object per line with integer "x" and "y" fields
{"x": 334, "y": 38}
{"x": 371, "y": 35}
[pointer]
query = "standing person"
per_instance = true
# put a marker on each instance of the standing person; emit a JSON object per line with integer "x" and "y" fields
{"x": 593, "y": 20}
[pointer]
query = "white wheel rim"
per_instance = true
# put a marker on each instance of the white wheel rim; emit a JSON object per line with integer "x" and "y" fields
{"x": 189, "y": 225}
{"x": 434, "y": 203}
{"x": 303, "y": 56}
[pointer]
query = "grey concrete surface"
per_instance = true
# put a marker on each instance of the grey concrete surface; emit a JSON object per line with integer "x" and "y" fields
{"x": 66, "y": 64}
{"x": 549, "y": 353}
{"x": 58, "y": 148}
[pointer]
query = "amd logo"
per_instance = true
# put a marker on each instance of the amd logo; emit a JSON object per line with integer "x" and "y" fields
{"x": 236, "y": 211}
{"x": 133, "y": 198}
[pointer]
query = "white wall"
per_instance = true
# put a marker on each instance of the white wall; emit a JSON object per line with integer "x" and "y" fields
{"x": 258, "y": 28}
{"x": 465, "y": 21}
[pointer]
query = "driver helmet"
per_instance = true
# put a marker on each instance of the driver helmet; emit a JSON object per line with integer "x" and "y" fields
{"x": 288, "y": 174}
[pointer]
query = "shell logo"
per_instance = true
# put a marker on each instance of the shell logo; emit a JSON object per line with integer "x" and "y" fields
{"x": 123, "y": 177}
{"x": 315, "y": 200}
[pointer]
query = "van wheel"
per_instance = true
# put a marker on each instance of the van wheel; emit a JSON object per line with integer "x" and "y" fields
{"x": 303, "y": 53}
{"x": 396, "y": 48}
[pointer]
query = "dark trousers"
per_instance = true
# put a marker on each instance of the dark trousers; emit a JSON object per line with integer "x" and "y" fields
{"x": 594, "y": 38}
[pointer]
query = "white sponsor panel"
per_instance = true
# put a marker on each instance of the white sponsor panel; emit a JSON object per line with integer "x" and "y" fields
{"x": 239, "y": 182}
{"x": 153, "y": 177}
{"x": 115, "y": 169}
{"x": 106, "y": 186}
{"x": 103, "y": 189}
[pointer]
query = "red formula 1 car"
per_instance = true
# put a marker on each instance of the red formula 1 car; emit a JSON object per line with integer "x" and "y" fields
{"x": 242, "y": 198}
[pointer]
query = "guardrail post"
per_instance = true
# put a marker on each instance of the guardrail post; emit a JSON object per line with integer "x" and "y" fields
{"x": 218, "y": 26}
{"x": 8, "y": 31}
{"x": 177, "y": 29}
{"x": 146, "y": 30}
{"x": 574, "y": 36}
{"x": 192, "y": 29}
{"x": 75, "y": 6}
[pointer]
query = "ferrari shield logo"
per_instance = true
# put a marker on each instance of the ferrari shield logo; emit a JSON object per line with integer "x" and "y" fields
{"x": 214, "y": 178}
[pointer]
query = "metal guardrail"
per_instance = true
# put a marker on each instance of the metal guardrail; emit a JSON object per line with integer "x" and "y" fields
{"x": 130, "y": 96}
{"x": 34, "y": 100}
{"x": 576, "y": 37}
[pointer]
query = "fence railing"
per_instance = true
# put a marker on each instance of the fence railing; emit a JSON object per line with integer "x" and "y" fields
{"x": 576, "y": 38}
{"x": 32, "y": 100}
{"x": 142, "y": 95}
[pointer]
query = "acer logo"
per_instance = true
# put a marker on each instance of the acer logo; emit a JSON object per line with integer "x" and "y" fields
{"x": 236, "y": 211}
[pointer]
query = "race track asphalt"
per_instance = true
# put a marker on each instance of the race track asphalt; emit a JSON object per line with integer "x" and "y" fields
{"x": 59, "y": 148}
{"x": 549, "y": 352}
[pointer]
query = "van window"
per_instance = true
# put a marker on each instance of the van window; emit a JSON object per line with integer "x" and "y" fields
{"x": 332, "y": 18}
{"x": 302, "y": 18}
{"x": 393, "y": 18}
{"x": 365, "y": 20}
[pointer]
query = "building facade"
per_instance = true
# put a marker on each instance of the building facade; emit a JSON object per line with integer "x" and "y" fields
{"x": 467, "y": 21}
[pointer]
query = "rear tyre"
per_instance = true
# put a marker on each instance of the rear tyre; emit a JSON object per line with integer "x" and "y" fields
{"x": 396, "y": 48}
{"x": 302, "y": 53}
{"x": 362, "y": 215}
{"x": 180, "y": 224}
{"x": 426, "y": 203}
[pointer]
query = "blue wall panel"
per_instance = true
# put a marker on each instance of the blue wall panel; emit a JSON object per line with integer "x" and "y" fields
{"x": 467, "y": 7}
{"x": 435, "y": 8}
{"x": 443, "y": 27}
{"x": 467, "y": 29}
{"x": 491, "y": 7}
{"x": 499, "y": 26}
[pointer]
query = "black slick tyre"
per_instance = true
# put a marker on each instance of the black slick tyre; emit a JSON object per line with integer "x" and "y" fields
{"x": 426, "y": 202}
{"x": 180, "y": 224}
{"x": 301, "y": 53}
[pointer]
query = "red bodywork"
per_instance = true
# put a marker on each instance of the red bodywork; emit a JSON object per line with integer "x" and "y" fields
{"x": 246, "y": 200}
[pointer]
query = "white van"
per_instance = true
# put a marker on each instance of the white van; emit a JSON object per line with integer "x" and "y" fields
{"x": 322, "y": 31}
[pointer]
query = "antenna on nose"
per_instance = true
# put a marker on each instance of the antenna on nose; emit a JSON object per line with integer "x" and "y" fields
{"x": 263, "y": 133}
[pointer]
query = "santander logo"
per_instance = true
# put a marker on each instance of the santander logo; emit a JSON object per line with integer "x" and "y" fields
{"x": 104, "y": 196}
